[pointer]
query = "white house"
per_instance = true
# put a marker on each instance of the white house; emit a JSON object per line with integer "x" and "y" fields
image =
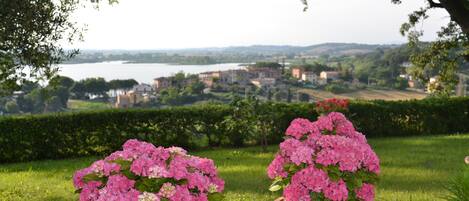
{"x": 406, "y": 64}
{"x": 263, "y": 82}
{"x": 142, "y": 88}
{"x": 329, "y": 75}
{"x": 310, "y": 77}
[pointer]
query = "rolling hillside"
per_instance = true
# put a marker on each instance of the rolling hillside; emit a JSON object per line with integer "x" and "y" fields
{"x": 366, "y": 94}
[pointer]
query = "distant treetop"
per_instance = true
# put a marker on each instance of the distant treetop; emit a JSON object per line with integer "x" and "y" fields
{"x": 315, "y": 67}
{"x": 264, "y": 64}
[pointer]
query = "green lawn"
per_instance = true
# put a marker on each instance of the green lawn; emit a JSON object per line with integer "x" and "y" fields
{"x": 412, "y": 169}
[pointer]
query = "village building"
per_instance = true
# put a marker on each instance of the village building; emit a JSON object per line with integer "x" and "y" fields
{"x": 411, "y": 81}
{"x": 161, "y": 83}
{"x": 265, "y": 72}
{"x": 209, "y": 78}
{"x": 188, "y": 80}
{"x": 310, "y": 77}
{"x": 130, "y": 99}
{"x": 329, "y": 75}
{"x": 239, "y": 76}
{"x": 123, "y": 101}
{"x": 264, "y": 82}
{"x": 142, "y": 89}
{"x": 297, "y": 72}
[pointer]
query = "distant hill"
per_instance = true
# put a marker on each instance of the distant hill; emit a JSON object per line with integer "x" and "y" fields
{"x": 235, "y": 54}
{"x": 337, "y": 49}
{"x": 332, "y": 49}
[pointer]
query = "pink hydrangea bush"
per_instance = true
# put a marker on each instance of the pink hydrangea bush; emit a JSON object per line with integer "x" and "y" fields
{"x": 143, "y": 172}
{"x": 324, "y": 160}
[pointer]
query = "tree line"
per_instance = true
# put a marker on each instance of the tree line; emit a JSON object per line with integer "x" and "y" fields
{"x": 34, "y": 98}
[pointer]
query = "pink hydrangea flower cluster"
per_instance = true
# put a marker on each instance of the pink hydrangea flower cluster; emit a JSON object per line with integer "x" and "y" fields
{"x": 324, "y": 160}
{"x": 143, "y": 172}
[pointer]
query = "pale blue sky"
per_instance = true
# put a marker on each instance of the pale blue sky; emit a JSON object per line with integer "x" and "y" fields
{"x": 162, "y": 24}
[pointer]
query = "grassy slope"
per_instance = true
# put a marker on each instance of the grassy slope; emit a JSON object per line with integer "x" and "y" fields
{"x": 367, "y": 94}
{"x": 78, "y": 105}
{"x": 412, "y": 169}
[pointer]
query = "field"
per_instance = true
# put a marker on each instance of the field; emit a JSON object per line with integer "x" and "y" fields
{"x": 80, "y": 105}
{"x": 413, "y": 168}
{"x": 366, "y": 94}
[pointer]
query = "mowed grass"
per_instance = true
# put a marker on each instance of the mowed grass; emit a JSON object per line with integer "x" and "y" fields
{"x": 413, "y": 168}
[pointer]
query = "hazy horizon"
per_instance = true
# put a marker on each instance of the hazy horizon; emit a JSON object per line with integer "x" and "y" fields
{"x": 231, "y": 46}
{"x": 186, "y": 24}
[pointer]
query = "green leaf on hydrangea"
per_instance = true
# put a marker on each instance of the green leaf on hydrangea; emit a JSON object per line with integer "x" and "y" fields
{"x": 319, "y": 166}
{"x": 150, "y": 185}
{"x": 194, "y": 191}
{"x": 317, "y": 196}
{"x": 129, "y": 174}
{"x": 182, "y": 181}
{"x": 125, "y": 165}
{"x": 92, "y": 177}
{"x": 334, "y": 173}
{"x": 367, "y": 177}
{"x": 353, "y": 182}
{"x": 277, "y": 180}
{"x": 140, "y": 186}
{"x": 274, "y": 188}
{"x": 292, "y": 168}
{"x": 352, "y": 196}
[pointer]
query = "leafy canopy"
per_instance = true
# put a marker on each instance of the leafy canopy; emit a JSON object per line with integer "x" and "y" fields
{"x": 30, "y": 32}
{"x": 444, "y": 57}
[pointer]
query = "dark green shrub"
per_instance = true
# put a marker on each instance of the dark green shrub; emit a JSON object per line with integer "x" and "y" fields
{"x": 64, "y": 135}
{"x": 336, "y": 88}
{"x": 414, "y": 117}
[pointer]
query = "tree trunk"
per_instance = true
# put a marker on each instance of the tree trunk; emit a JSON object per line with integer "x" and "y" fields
{"x": 459, "y": 12}
{"x": 264, "y": 148}
{"x": 264, "y": 138}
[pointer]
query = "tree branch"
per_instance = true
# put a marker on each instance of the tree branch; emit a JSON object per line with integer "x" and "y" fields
{"x": 435, "y": 4}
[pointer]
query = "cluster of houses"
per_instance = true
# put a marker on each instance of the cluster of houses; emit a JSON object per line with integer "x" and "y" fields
{"x": 308, "y": 76}
{"x": 261, "y": 77}
{"x": 413, "y": 83}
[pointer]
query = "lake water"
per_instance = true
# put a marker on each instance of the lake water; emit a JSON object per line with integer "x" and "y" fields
{"x": 143, "y": 73}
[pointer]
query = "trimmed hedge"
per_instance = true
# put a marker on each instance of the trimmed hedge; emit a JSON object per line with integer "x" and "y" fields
{"x": 411, "y": 118}
{"x": 97, "y": 133}
{"x": 65, "y": 135}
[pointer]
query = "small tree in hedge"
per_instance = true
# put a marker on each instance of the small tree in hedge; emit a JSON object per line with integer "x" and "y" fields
{"x": 279, "y": 96}
{"x": 253, "y": 118}
{"x": 237, "y": 126}
{"x": 289, "y": 95}
{"x": 269, "y": 94}
{"x": 11, "y": 107}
